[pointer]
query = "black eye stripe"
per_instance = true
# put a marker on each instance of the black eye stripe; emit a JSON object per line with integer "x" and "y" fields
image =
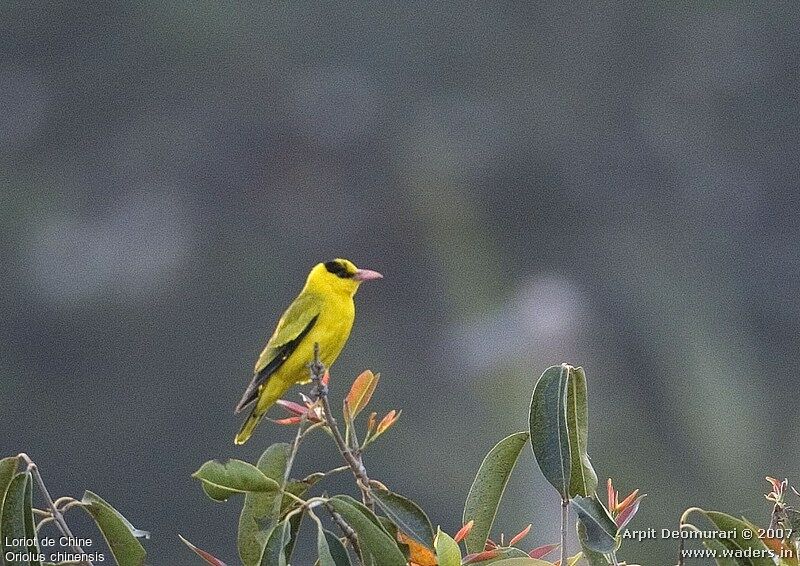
{"x": 338, "y": 269}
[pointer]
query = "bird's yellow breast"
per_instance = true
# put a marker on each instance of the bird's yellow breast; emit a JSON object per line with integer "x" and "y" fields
{"x": 330, "y": 331}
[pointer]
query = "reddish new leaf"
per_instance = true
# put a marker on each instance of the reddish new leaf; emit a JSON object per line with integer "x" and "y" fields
{"x": 463, "y": 531}
{"x": 208, "y": 558}
{"x": 520, "y": 535}
{"x": 542, "y": 551}
{"x": 361, "y": 392}
{"x": 481, "y": 556}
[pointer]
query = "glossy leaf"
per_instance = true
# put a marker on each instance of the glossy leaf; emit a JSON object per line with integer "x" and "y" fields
{"x": 418, "y": 554}
{"x": 720, "y": 549}
{"x": 367, "y": 527}
{"x": 724, "y": 522}
{"x": 583, "y": 479}
{"x": 407, "y": 515}
{"x": 487, "y": 489}
{"x": 520, "y": 535}
{"x": 30, "y": 525}
{"x": 628, "y": 512}
{"x": 14, "y": 513}
{"x": 120, "y": 535}
{"x": 542, "y": 551}
{"x": 207, "y": 557}
{"x": 496, "y": 556}
{"x": 281, "y": 541}
{"x": 464, "y": 531}
{"x": 221, "y": 480}
{"x": 527, "y": 561}
{"x": 592, "y": 557}
{"x": 261, "y": 511}
{"x": 338, "y": 550}
{"x": 482, "y": 557}
{"x": 601, "y": 530}
{"x": 361, "y": 392}
{"x": 548, "y": 427}
{"x": 447, "y": 551}
{"x": 330, "y": 549}
{"x": 789, "y": 556}
{"x": 276, "y": 553}
{"x": 8, "y": 468}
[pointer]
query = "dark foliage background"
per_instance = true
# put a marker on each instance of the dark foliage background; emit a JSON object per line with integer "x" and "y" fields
{"x": 610, "y": 184}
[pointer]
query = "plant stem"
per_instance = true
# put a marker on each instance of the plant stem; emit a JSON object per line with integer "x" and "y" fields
{"x": 564, "y": 516}
{"x": 355, "y": 461}
{"x": 58, "y": 518}
{"x": 293, "y": 451}
{"x": 348, "y": 531}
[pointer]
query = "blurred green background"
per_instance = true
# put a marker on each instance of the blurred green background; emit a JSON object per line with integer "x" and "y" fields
{"x": 609, "y": 184}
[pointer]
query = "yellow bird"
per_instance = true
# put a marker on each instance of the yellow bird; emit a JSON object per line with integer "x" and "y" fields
{"x": 322, "y": 313}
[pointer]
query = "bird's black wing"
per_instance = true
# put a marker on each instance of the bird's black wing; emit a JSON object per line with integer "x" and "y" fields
{"x": 281, "y": 354}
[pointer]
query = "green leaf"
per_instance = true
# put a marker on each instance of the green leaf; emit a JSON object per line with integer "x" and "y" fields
{"x": 207, "y": 557}
{"x": 8, "y": 467}
{"x": 447, "y": 551}
{"x": 407, "y": 515}
{"x": 487, "y": 489}
{"x": 116, "y": 529}
{"x": 719, "y": 549}
{"x": 338, "y": 550}
{"x": 501, "y": 554}
{"x": 583, "y": 479}
{"x": 221, "y": 480}
{"x": 14, "y": 514}
{"x": 725, "y": 522}
{"x": 262, "y": 511}
{"x": 370, "y": 534}
{"x": 521, "y": 562}
{"x": 330, "y": 549}
{"x": 30, "y": 525}
{"x": 281, "y": 542}
{"x": 601, "y": 530}
{"x": 592, "y": 557}
{"x": 548, "y": 427}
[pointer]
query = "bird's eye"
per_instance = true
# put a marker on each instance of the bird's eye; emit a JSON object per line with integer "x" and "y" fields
{"x": 338, "y": 269}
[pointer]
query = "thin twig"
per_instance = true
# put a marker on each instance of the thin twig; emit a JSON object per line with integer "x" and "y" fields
{"x": 776, "y": 517}
{"x": 293, "y": 451}
{"x": 355, "y": 445}
{"x": 336, "y": 470}
{"x": 346, "y": 529}
{"x": 684, "y": 524}
{"x": 58, "y": 518}
{"x": 355, "y": 461}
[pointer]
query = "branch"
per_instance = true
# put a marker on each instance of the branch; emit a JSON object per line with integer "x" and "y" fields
{"x": 354, "y": 460}
{"x": 58, "y": 518}
{"x": 346, "y": 529}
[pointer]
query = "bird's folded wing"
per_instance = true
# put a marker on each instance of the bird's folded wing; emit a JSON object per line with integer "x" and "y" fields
{"x": 296, "y": 322}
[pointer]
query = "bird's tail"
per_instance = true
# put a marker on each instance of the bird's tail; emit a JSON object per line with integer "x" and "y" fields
{"x": 267, "y": 397}
{"x": 248, "y": 427}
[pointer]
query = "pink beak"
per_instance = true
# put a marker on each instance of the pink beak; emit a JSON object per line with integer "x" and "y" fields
{"x": 366, "y": 275}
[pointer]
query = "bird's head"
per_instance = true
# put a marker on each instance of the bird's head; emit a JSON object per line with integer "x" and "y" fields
{"x": 339, "y": 276}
